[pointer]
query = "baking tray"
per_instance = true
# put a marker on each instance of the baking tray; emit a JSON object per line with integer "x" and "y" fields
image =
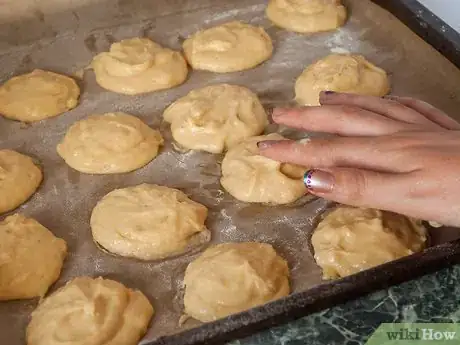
{"x": 66, "y": 40}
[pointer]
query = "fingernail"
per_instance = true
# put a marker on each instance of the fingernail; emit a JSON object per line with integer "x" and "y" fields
{"x": 278, "y": 112}
{"x": 267, "y": 144}
{"x": 323, "y": 96}
{"x": 318, "y": 181}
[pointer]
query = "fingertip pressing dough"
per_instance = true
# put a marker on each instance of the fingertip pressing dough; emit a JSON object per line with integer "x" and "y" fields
{"x": 19, "y": 179}
{"x": 349, "y": 240}
{"x": 232, "y": 277}
{"x": 341, "y": 73}
{"x": 250, "y": 177}
{"x": 148, "y": 222}
{"x": 230, "y": 47}
{"x": 216, "y": 117}
{"x": 31, "y": 258}
{"x": 307, "y": 16}
{"x": 38, "y": 95}
{"x": 139, "y": 65}
{"x": 109, "y": 144}
{"x": 90, "y": 311}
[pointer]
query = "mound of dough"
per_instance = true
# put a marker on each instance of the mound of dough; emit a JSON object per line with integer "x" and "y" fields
{"x": 216, "y": 117}
{"x": 230, "y": 47}
{"x": 139, "y": 65}
{"x": 341, "y": 73}
{"x": 250, "y": 177}
{"x": 349, "y": 240}
{"x": 109, "y": 144}
{"x": 19, "y": 179}
{"x": 307, "y": 16}
{"x": 148, "y": 222}
{"x": 232, "y": 277}
{"x": 38, "y": 95}
{"x": 90, "y": 311}
{"x": 31, "y": 258}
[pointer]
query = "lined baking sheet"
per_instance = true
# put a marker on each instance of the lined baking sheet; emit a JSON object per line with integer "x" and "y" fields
{"x": 65, "y": 42}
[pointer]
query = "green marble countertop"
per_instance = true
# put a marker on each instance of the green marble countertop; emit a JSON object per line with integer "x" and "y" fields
{"x": 431, "y": 298}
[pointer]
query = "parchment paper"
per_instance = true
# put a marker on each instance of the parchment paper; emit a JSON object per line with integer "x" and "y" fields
{"x": 66, "y": 41}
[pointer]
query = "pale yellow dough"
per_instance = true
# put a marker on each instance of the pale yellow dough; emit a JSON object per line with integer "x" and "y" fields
{"x": 340, "y": 73}
{"x": 31, "y": 258}
{"x": 307, "y": 16}
{"x": 37, "y": 95}
{"x": 349, "y": 240}
{"x": 250, "y": 177}
{"x": 139, "y": 65}
{"x": 232, "y": 277}
{"x": 230, "y": 47}
{"x": 19, "y": 179}
{"x": 148, "y": 222}
{"x": 89, "y": 311}
{"x": 216, "y": 117}
{"x": 109, "y": 144}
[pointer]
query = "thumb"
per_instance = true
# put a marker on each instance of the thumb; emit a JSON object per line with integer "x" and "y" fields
{"x": 358, "y": 187}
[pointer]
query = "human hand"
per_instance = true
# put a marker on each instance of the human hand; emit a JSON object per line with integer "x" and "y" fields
{"x": 394, "y": 153}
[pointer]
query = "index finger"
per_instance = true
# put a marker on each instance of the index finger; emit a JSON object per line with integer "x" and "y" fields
{"x": 345, "y": 120}
{"x": 365, "y": 153}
